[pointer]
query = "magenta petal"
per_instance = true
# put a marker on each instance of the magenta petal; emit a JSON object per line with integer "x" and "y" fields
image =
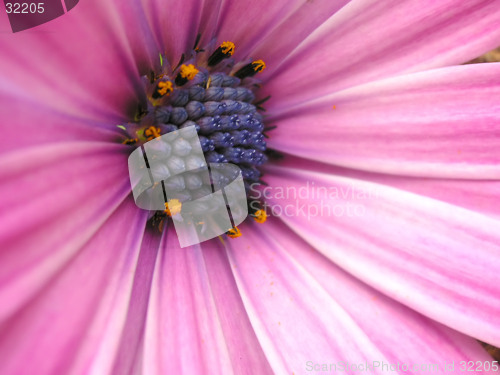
{"x": 87, "y": 62}
{"x": 475, "y": 195}
{"x": 53, "y": 200}
{"x": 130, "y": 343}
{"x": 479, "y": 196}
{"x": 208, "y": 23}
{"x": 31, "y": 122}
{"x": 260, "y": 17}
{"x": 441, "y": 123}
{"x": 307, "y": 311}
{"x": 275, "y": 48}
{"x": 439, "y": 259}
{"x": 175, "y": 24}
{"x": 73, "y": 325}
{"x": 197, "y": 323}
{"x": 368, "y": 40}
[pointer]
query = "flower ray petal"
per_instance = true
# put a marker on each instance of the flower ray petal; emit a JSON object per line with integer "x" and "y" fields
{"x": 197, "y": 322}
{"x": 307, "y": 310}
{"x": 442, "y": 123}
{"x": 368, "y": 40}
{"x": 56, "y": 198}
{"x": 436, "y": 258}
{"x": 81, "y": 310}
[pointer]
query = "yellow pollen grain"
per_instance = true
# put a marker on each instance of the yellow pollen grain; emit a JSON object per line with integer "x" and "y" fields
{"x": 152, "y": 132}
{"x": 130, "y": 141}
{"x": 188, "y": 71}
{"x": 260, "y": 216}
{"x": 173, "y": 207}
{"x": 165, "y": 88}
{"x": 259, "y": 65}
{"x": 227, "y": 48}
{"x": 234, "y": 232}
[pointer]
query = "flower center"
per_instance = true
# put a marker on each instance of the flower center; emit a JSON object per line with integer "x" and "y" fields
{"x": 217, "y": 96}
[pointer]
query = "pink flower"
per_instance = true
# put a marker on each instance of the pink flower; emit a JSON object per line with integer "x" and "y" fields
{"x": 366, "y": 99}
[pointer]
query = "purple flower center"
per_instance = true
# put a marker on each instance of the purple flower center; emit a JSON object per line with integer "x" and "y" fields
{"x": 216, "y": 95}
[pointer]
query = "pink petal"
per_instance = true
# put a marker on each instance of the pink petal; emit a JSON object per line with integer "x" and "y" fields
{"x": 478, "y": 196}
{"x": 31, "y": 122}
{"x": 274, "y": 48}
{"x": 441, "y": 123}
{"x": 475, "y": 195}
{"x": 73, "y": 325}
{"x": 175, "y": 24}
{"x": 209, "y": 21}
{"x": 246, "y": 23}
{"x": 54, "y": 199}
{"x": 440, "y": 260}
{"x": 306, "y": 311}
{"x": 368, "y": 40}
{"x": 87, "y": 62}
{"x": 197, "y": 323}
{"x": 130, "y": 343}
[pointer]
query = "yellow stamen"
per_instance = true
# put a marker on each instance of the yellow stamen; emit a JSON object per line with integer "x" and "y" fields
{"x": 227, "y": 48}
{"x": 260, "y": 216}
{"x": 152, "y": 132}
{"x": 209, "y": 82}
{"x": 173, "y": 207}
{"x": 234, "y": 232}
{"x": 188, "y": 71}
{"x": 259, "y": 65}
{"x": 130, "y": 141}
{"x": 164, "y": 88}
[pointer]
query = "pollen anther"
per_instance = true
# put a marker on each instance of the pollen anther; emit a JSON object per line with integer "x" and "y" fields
{"x": 130, "y": 141}
{"x": 152, "y": 132}
{"x": 251, "y": 69}
{"x": 227, "y": 48}
{"x": 173, "y": 207}
{"x": 163, "y": 88}
{"x": 234, "y": 232}
{"x": 186, "y": 73}
{"x": 259, "y": 65}
{"x": 224, "y": 51}
{"x": 260, "y": 216}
